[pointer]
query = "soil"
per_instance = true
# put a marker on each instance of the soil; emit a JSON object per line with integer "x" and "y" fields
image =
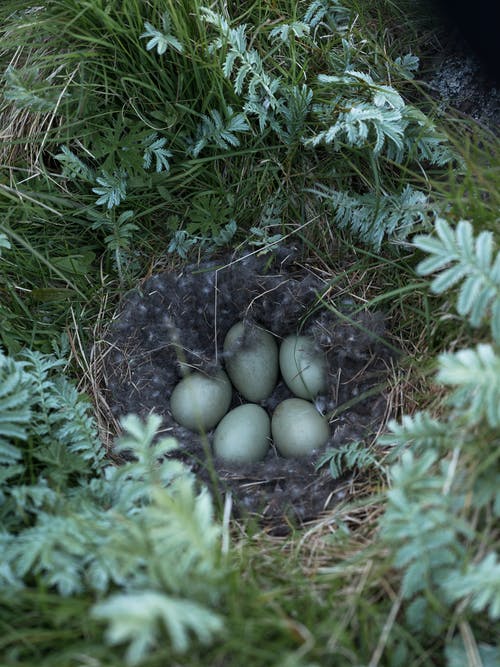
{"x": 182, "y": 317}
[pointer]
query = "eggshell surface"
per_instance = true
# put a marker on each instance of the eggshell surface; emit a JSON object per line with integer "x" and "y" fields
{"x": 298, "y": 428}
{"x": 199, "y": 401}
{"x": 303, "y": 368}
{"x": 243, "y": 435}
{"x": 251, "y": 363}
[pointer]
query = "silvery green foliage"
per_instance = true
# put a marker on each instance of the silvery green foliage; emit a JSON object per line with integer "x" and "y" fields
{"x": 27, "y": 89}
{"x": 480, "y": 583}
{"x": 327, "y": 13}
{"x": 141, "y": 618}
{"x": 161, "y": 39}
{"x": 271, "y": 220}
{"x": 424, "y": 526}
{"x": 284, "y": 31}
{"x": 246, "y": 68}
{"x": 458, "y": 655}
{"x": 374, "y": 217}
{"x": 407, "y": 65}
{"x": 441, "y": 493}
{"x": 283, "y": 108}
{"x": 216, "y": 130}
{"x": 73, "y": 167}
{"x": 181, "y": 242}
{"x": 297, "y": 102}
{"x": 347, "y": 457}
{"x": 83, "y": 524}
{"x": 154, "y": 147}
{"x": 113, "y": 188}
{"x": 377, "y": 118}
{"x": 4, "y": 242}
{"x": 419, "y": 431}
{"x": 15, "y": 410}
{"x": 461, "y": 258}
{"x": 475, "y": 376}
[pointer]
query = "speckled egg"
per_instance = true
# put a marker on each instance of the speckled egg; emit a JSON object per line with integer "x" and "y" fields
{"x": 298, "y": 428}
{"x": 252, "y": 364}
{"x": 199, "y": 401}
{"x": 243, "y": 435}
{"x": 303, "y": 368}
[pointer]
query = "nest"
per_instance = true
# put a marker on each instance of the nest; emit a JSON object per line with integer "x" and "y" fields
{"x": 180, "y": 318}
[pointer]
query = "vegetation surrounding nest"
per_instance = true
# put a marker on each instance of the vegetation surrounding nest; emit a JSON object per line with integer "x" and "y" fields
{"x": 138, "y": 138}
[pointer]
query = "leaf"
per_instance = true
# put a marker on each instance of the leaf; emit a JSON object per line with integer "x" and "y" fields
{"x": 348, "y": 456}
{"x": 72, "y": 166}
{"x": 141, "y": 618}
{"x": 420, "y": 431}
{"x": 373, "y": 217}
{"x": 161, "y": 40}
{"x": 475, "y": 374}
{"x": 218, "y": 131}
{"x": 480, "y": 584}
{"x": 4, "y": 242}
{"x": 460, "y": 259}
{"x": 154, "y": 148}
{"x": 15, "y": 407}
{"x": 27, "y": 89}
{"x": 283, "y": 33}
{"x": 113, "y": 188}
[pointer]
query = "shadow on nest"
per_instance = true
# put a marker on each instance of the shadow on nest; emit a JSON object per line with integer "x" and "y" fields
{"x": 178, "y": 318}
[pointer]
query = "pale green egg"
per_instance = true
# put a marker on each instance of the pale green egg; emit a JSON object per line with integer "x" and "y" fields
{"x": 199, "y": 401}
{"x": 303, "y": 368}
{"x": 252, "y": 367}
{"x": 243, "y": 435}
{"x": 298, "y": 428}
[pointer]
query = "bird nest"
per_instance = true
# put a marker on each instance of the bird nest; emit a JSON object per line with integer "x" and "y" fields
{"x": 181, "y": 317}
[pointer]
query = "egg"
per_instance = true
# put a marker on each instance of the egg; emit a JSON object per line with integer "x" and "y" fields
{"x": 303, "y": 368}
{"x": 298, "y": 428}
{"x": 251, "y": 362}
{"x": 199, "y": 401}
{"x": 243, "y": 434}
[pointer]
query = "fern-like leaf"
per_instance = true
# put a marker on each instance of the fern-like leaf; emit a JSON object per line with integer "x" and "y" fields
{"x": 480, "y": 583}
{"x": 329, "y": 13}
{"x": 218, "y": 131}
{"x": 364, "y": 124}
{"x": 372, "y": 218}
{"x": 420, "y": 431}
{"x": 347, "y": 457}
{"x": 407, "y": 65}
{"x": 150, "y": 462}
{"x": 73, "y": 425}
{"x": 15, "y": 407}
{"x": 154, "y": 147}
{"x": 459, "y": 258}
{"x": 246, "y": 68}
{"x": 161, "y": 39}
{"x": 475, "y": 374}
{"x": 379, "y": 118}
{"x": 27, "y": 91}
{"x": 284, "y": 32}
{"x": 295, "y": 109}
{"x": 423, "y": 526}
{"x": 41, "y": 368}
{"x": 141, "y": 618}
{"x": 72, "y": 167}
{"x": 113, "y": 188}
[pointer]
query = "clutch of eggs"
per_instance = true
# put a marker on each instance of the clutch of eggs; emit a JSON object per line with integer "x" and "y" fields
{"x": 252, "y": 361}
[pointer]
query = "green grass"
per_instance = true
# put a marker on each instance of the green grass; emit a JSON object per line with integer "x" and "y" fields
{"x": 329, "y": 594}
